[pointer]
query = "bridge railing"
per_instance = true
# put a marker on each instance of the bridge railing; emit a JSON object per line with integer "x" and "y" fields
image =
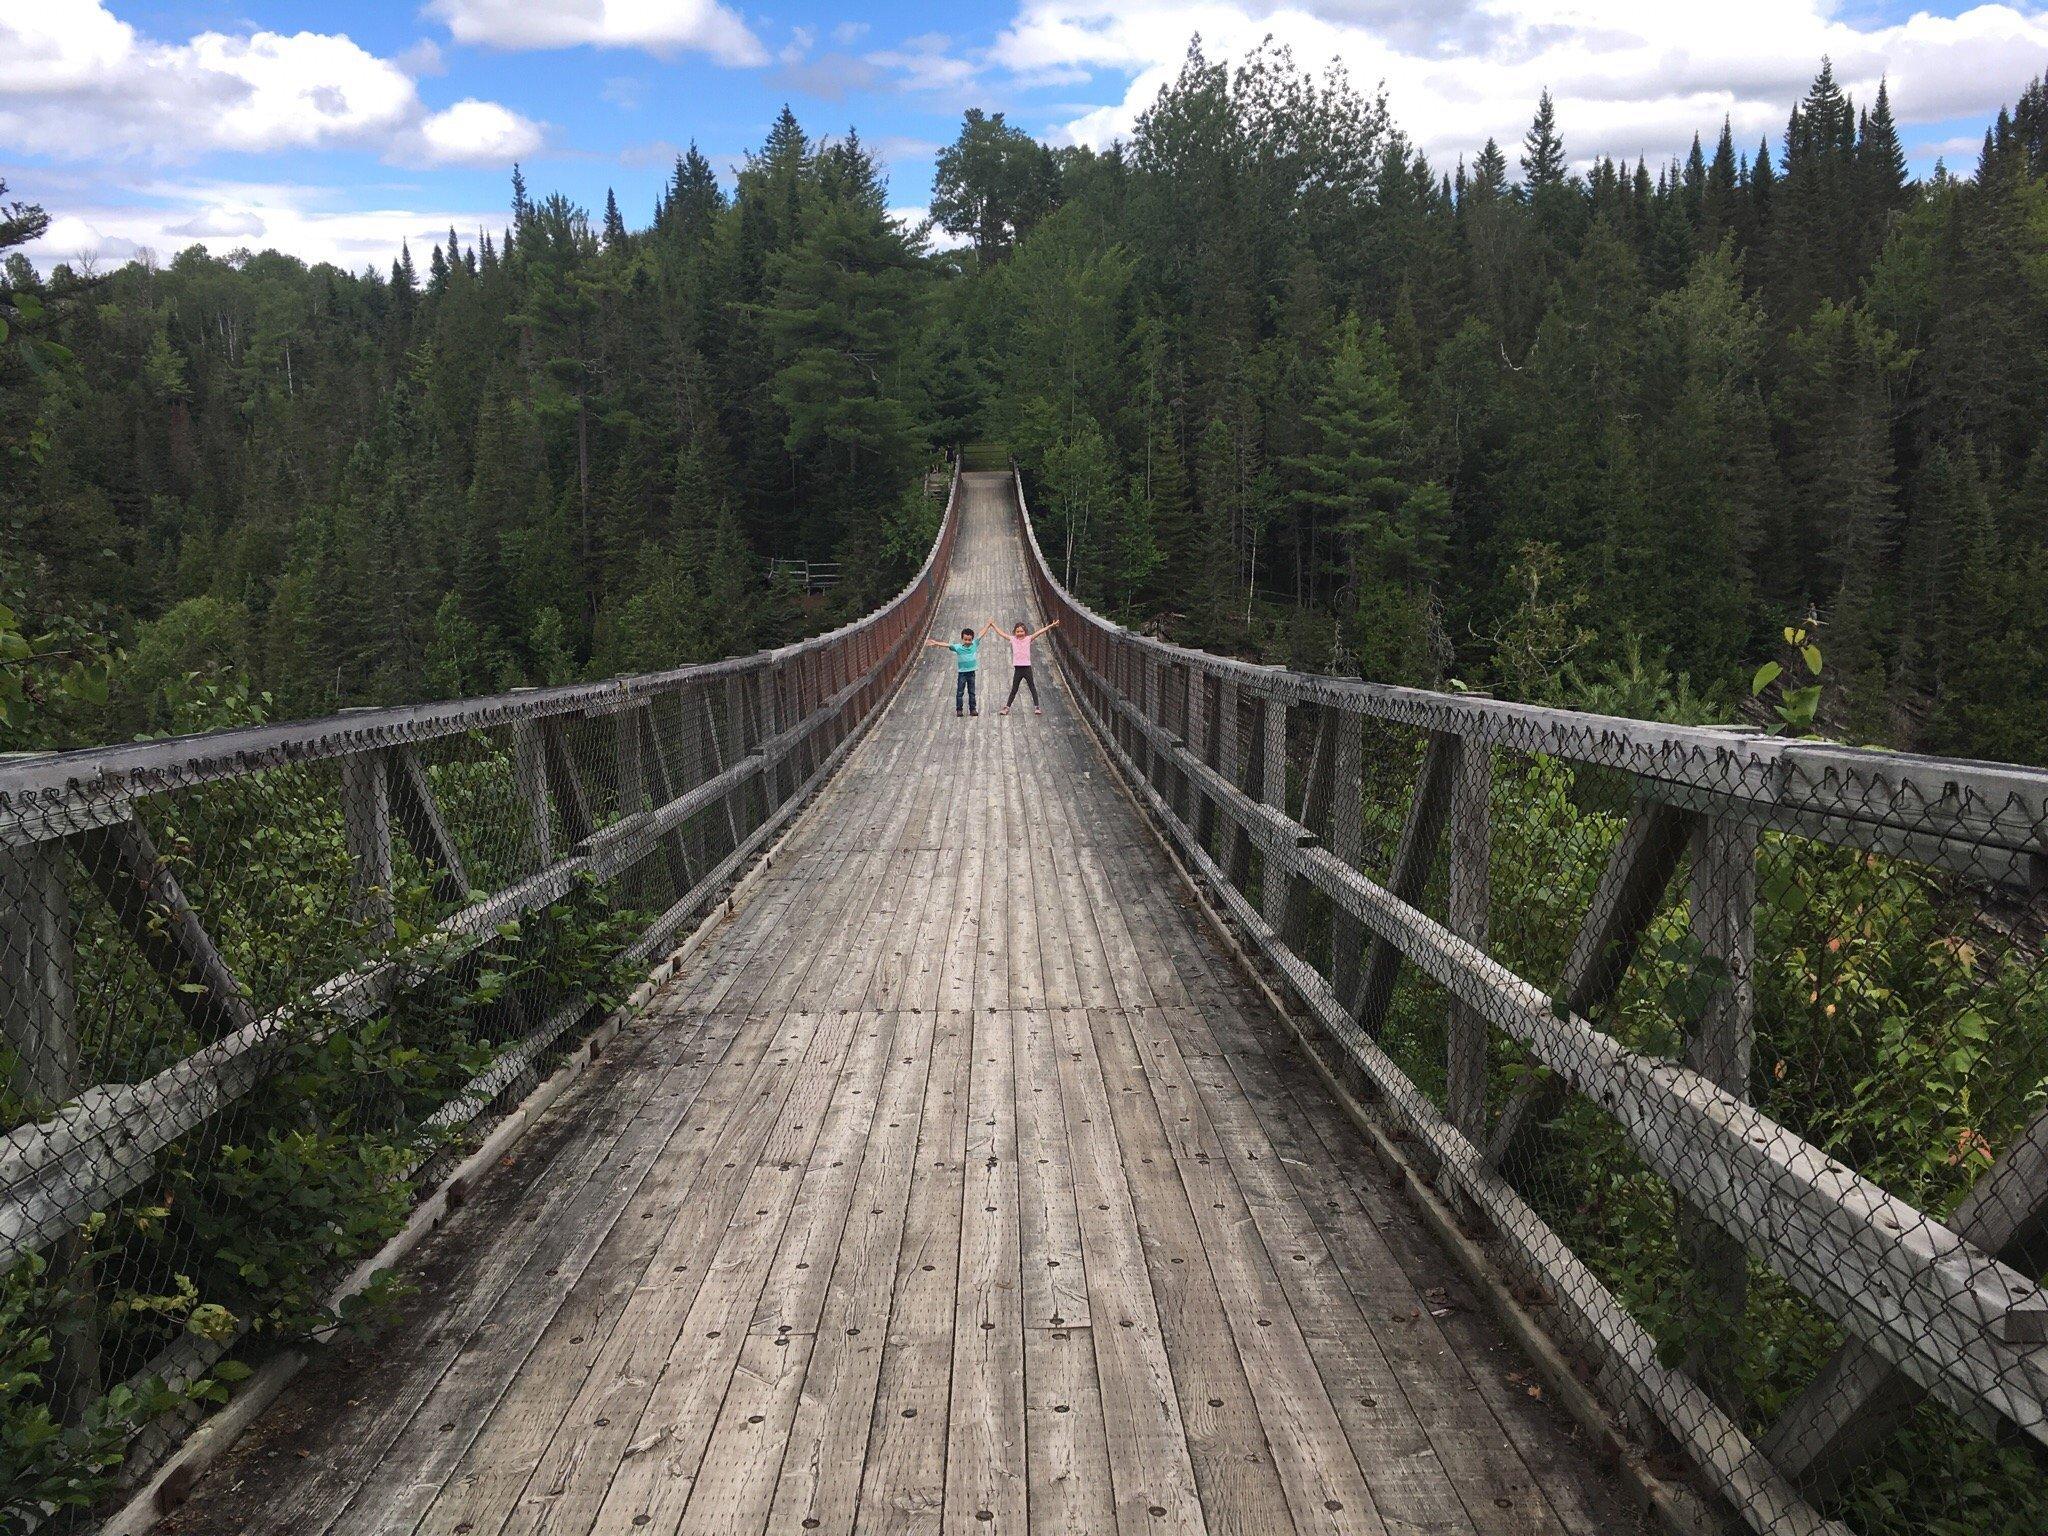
{"x": 1734, "y": 1047}
{"x": 256, "y": 984}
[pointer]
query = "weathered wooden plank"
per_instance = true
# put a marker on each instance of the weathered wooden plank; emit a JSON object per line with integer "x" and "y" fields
{"x": 1150, "y": 1468}
{"x": 573, "y": 1406}
{"x": 1413, "y": 1486}
{"x": 39, "y": 1022}
{"x": 391, "y": 1454}
{"x": 1054, "y": 1284}
{"x": 1469, "y": 899}
{"x": 903, "y": 1481}
{"x": 1271, "y": 769}
{"x": 819, "y": 1480}
{"x": 985, "y": 1470}
{"x": 761, "y": 1296}
{"x": 1067, "y": 1445}
{"x": 366, "y": 833}
{"x": 1324, "y": 1487}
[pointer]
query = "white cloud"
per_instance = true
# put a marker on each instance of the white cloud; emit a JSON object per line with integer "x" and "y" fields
{"x": 659, "y": 26}
{"x": 926, "y": 63}
{"x": 476, "y": 132}
{"x": 801, "y": 40}
{"x": 165, "y": 217}
{"x": 1628, "y": 78}
{"x": 77, "y": 83}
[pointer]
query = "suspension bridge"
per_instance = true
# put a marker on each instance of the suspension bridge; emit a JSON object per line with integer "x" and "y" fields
{"x": 1167, "y": 1114}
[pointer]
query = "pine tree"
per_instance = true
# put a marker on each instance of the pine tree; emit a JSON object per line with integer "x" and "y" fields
{"x": 1543, "y": 162}
{"x": 614, "y": 226}
{"x": 1357, "y": 479}
{"x": 1720, "y": 205}
{"x": 1489, "y": 173}
{"x": 690, "y": 211}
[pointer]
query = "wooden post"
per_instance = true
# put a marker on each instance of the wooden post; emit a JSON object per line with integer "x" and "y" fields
{"x": 1272, "y": 768}
{"x": 1413, "y": 855}
{"x": 38, "y": 1000}
{"x": 718, "y": 763}
{"x": 1347, "y": 842}
{"x": 366, "y": 831}
{"x": 632, "y": 790}
{"x": 39, "y": 1020}
{"x": 1173, "y": 710}
{"x": 1314, "y": 820}
{"x": 1149, "y": 695}
{"x": 770, "y": 720}
{"x": 1470, "y": 896}
{"x": 1230, "y": 762}
{"x": 1718, "y": 1047}
{"x": 531, "y": 774}
{"x": 743, "y": 733}
{"x": 1202, "y": 742}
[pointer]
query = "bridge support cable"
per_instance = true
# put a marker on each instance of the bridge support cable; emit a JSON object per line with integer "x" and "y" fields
{"x": 1725, "y": 1124}
{"x": 258, "y": 984}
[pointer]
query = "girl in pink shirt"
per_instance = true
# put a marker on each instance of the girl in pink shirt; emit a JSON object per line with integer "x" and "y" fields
{"x": 1020, "y": 662}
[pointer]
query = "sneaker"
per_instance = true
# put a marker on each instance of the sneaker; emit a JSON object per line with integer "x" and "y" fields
{"x": 1036, "y": 710}
{"x": 1004, "y": 710}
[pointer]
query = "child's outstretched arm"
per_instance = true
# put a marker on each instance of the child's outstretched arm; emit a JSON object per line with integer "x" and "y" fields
{"x": 936, "y": 645}
{"x": 1055, "y": 624}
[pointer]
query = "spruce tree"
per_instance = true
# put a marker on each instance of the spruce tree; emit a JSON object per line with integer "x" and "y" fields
{"x": 1543, "y": 163}
{"x": 1720, "y": 211}
{"x": 1357, "y": 479}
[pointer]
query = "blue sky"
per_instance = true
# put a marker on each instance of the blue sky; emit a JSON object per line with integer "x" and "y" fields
{"x": 335, "y": 130}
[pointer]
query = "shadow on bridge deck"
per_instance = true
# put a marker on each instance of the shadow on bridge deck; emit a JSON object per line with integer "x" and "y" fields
{"x": 959, "y": 1184}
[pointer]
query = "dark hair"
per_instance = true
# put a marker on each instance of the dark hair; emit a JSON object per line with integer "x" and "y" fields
{"x": 964, "y": 630}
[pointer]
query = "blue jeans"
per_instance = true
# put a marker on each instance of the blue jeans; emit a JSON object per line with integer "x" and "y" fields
{"x": 963, "y": 688}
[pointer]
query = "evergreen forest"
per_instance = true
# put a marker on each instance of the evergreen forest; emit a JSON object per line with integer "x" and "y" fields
{"x": 1280, "y": 385}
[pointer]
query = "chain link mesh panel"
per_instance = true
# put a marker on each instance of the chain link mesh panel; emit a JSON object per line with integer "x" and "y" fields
{"x": 259, "y": 988}
{"x": 1733, "y": 1049}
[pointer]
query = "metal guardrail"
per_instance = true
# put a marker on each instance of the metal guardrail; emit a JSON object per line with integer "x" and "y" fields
{"x": 1737, "y": 1189}
{"x": 183, "y": 920}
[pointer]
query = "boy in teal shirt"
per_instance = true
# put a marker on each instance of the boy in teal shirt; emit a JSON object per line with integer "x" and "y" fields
{"x": 967, "y": 654}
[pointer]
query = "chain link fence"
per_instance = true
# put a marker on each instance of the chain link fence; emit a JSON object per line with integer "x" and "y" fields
{"x": 260, "y": 988}
{"x": 1732, "y": 1048}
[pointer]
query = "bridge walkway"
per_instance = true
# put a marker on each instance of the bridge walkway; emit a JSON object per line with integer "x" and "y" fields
{"x": 959, "y": 1184}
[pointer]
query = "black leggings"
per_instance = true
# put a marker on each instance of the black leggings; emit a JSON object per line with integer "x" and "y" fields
{"x": 1021, "y": 675}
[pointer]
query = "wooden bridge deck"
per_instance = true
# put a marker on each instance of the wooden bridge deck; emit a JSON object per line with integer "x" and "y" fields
{"x": 960, "y": 1184}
